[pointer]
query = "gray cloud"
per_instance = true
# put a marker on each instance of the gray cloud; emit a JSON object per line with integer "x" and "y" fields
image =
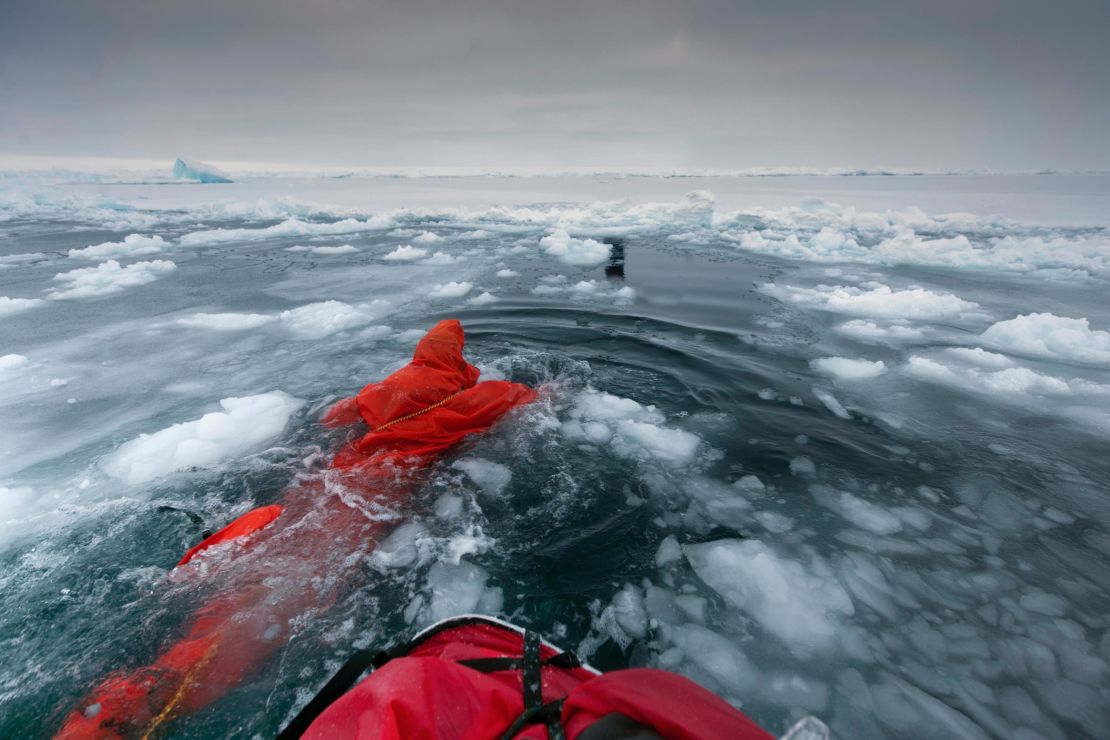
{"x": 983, "y": 83}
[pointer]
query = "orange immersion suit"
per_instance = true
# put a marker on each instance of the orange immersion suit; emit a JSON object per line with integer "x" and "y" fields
{"x": 413, "y": 416}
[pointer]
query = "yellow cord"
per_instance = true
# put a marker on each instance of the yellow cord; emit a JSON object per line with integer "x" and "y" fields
{"x": 181, "y": 691}
{"x": 414, "y": 414}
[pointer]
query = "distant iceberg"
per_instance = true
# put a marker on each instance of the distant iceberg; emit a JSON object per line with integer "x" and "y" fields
{"x": 199, "y": 171}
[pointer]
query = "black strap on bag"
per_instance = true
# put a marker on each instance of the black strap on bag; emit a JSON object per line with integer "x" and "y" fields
{"x": 530, "y": 664}
{"x": 338, "y": 685}
{"x": 535, "y": 711}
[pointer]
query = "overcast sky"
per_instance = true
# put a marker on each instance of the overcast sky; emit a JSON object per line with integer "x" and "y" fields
{"x": 999, "y": 84}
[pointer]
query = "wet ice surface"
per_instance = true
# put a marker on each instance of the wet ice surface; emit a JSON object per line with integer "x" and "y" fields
{"x": 842, "y": 457}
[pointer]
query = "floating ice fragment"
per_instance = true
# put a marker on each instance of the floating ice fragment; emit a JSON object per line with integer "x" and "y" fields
{"x": 880, "y": 301}
{"x": 11, "y": 362}
{"x": 831, "y": 403}
{"x": 861, "y": 513}
{"x": 405, "y": 253}
{"x": 245, "y": 423}
{"x": 427, "y": 237}
{"x": 802, "y": 465}
{"x": 193, "y": 170}
{"x": 225, "y": 321}
{"x": 571, "y": 251}
{"x": 318, "y": 320}
{"x": 797, "y": 603}
{"x": 491, "y": 477}
{"x": 133, "y": 245}
{"x": 483, "y": 299}
{"x": 450, "y": 290}
{"x": 1051, "y": 337}
{"x": 12, "y": 306}
{"x": 846, "y": 368}
{"x": 107, "y": 278}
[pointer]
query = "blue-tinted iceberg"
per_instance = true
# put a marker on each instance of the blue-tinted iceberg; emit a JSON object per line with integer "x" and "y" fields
{"x": 192, "y": 170}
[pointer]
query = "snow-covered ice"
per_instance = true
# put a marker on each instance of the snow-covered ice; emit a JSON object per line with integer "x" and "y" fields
{"x": 107, "y": 278}
{"x": 243, "y": 424}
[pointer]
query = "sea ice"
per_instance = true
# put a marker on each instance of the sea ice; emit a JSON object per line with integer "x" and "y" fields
{"x": 1050, "y": 337}
{"x": 458, "y": 589}
{"x": 483, "y": 299}
{"x": 133, "y": 245}
{"x": 452, "y": 289}
{"x": 244, "y": 424}
{"x": 318, "y": 320}
{"x": 491, "y": 477}
{"x": 225, "y": 321}
{"x": 193, "y": 170}
{"x": 869, "y": 332}
{"x": 11, "y": 362}
{"x": 571, "y": 251}
{"x": 861, "y": 513}
{"x": 340, "y": 249}
{"x": 845, "y": 368}
{"x": 797, "y": 603}
{"x": 406, "y": 253}
{"x": 427, "y": 237}
{"x": 878, "y": 302}
{"x": 632, "y": 430}
{"x": 107, "y": 278}
{"x": 831, "y": 403}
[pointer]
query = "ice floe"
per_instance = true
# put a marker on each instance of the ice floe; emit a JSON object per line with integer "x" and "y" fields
{"x": 880, "y": 301}
{"x": 244, "y": 424}
{"x": 406, "y": 253}
{"x": 12, "y": 306}
{"x": 847, "y": 368}
{"x": 629, "y": 428}
{"x": 798, "y": 602}
{"x": 226, "y": 321}
{"x": 491, "y": 477}
{"x": 453, "y": 289}
{"x": 133, "y": 245}
{"x": 322, "y": 319}
{"x": 107, "y": 278}
{"x": 571, "y": 251}
{"x": 1050, "y": 337}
